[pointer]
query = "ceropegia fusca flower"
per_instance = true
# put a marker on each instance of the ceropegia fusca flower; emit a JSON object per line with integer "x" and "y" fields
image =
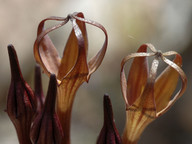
{"x": 21, "y": 102}
{"x": 73, "y": 68}
{"x": 146, "y": 96}
{"x": 109, "y": 133}
{"x": 46, "y": 128}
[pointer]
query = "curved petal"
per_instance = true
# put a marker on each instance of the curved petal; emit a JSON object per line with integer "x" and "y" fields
{"x": 166, "y": 84}
{"x": 95, "y": 61}
{"x": 182, "y": 89}
{"x": 122, "y": 73}
{"x": 44, "y": 51}
{"x": 137, "y": 77}
{"x": 71, "y": 51}
{"x": 80, "y": 68}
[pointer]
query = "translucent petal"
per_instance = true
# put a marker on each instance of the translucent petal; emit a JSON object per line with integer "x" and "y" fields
{"x": 44, "y": 50}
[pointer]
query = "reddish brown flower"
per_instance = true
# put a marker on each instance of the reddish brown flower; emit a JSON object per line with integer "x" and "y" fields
{"x": 146, "y": 96}
{"x": 21, "y": 102}
{"x": 46, "y": 127}
{"x": 109, "y": 133}
{"x": 73, "y": 68}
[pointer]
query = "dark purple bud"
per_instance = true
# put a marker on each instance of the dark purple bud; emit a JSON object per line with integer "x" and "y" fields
{"x": 21, "y": 102}
{"x": 38, "y": 88}
{"x": 109, "y": 133}
{"x": 46, "y": 127}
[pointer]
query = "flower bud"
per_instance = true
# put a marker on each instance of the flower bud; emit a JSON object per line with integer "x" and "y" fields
{"x": 21, "y": 102}
{"x": 109, "y": 133}
{"x": 46, "y": 127}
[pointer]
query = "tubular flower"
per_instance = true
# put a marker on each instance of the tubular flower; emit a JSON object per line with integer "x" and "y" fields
{"x": 146, "y": 96}
{"x": 21, "y": 102}
{"x": 109, "y": 133}
{"x": 73, "y": 68}
{"x": 46, "y": 128}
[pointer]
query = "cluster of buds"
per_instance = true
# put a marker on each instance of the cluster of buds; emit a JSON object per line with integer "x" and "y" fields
{"x": 34, "y": 118}
{"x": 46, "y": 120}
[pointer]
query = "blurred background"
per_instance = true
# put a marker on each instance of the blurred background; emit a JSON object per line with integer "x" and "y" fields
{"x": 167, "y": 24}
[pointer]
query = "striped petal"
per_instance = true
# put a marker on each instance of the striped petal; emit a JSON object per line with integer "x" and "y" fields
{"x": 137, "y": 77}
{"x": 77, "y": 46}
{"x": 139, "y": 115}
{"x": 166, "y": 84}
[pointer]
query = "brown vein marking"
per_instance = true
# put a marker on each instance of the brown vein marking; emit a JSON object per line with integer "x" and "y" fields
{"x": 135, "y": 108}
{"x": 76, "y": 76}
